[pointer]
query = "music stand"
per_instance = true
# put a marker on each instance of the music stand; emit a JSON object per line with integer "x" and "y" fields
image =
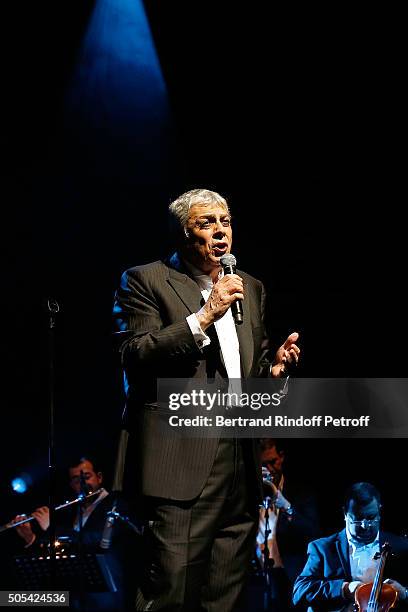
{"x": 90, "y": 570}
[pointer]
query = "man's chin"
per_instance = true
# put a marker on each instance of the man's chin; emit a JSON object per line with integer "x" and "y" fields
{"x": 366, "y": 539}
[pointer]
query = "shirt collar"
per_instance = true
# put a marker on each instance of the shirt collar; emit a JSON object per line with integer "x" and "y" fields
{"x": 91, "y": 507}
{"x": 203, "y": 280}
{"x": 101, "y": 496}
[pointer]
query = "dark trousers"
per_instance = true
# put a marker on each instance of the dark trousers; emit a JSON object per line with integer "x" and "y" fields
{"x": 196, "y": 554}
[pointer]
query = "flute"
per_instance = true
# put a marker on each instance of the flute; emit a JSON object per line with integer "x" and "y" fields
{"x": 78, "y": 499}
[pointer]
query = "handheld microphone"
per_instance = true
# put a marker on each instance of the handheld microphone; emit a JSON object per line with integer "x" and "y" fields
{"x": 229, "y": 264}
{"x": 108, "y": 528}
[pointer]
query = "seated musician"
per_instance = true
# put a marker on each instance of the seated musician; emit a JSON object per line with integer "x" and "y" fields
{"x": 85, "y": 476}
{"x": 339, "y": 563}
{"x": 292, "y": 521}
{"x": 93, "y": 514}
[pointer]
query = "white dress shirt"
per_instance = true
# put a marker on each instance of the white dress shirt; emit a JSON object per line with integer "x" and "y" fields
{"x": 89, "y": 508}
{"x": 363, "y": 566}
{"x": 225, "y": 328}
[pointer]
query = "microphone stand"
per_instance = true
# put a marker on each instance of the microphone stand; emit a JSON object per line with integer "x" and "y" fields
{"x": 81, "y": 500}
{"x": 53, "y": 309}
{"x": 268, "y": 562}
{"x": 125, "y": 519}
{"x": 106, "y": 539}
{"x": 111, "y": 517}
{"x": 83, "y": 493}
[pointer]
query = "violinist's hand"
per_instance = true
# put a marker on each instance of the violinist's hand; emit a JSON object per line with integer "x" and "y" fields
{"x": 349, "y": 588}
{"x": 402, "y": 591}
{"x": 24, "y": 531}
{"x": 42, "y": 516}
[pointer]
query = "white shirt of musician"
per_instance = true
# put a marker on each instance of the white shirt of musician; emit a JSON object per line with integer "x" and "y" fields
{"x": 87, "y": 511}
{"x": 363, "y": 566}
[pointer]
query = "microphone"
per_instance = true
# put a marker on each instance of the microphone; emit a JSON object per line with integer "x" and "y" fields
{"x": 229, "y": 264}
{"x": 108, "y": 528}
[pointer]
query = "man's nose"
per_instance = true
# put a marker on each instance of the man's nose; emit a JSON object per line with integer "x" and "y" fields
{"x": 219, "y": 228}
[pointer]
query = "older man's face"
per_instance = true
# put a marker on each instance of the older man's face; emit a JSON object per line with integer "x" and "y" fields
{"x": 209, "y": 236}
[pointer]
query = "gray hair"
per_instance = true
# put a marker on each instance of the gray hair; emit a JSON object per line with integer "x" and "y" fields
{"x": 179, "y": 209}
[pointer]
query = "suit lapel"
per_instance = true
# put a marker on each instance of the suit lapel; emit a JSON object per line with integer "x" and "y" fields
{"x": 244, "y": 333}
{"x": 343, "y": 552}
{"x": 185, "y": 287}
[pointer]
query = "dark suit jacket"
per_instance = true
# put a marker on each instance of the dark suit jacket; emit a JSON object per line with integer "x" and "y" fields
{"x": 155, "y": 341}
{"x": 328, "y": 566}
{"x": 294, "y": 533}
{"x": 93, "y": 528}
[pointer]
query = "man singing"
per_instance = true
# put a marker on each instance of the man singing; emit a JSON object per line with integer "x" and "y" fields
{"x": 174, "y": 320}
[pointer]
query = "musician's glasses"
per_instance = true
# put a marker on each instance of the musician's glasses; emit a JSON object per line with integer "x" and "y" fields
{"x": 364, "y": 523}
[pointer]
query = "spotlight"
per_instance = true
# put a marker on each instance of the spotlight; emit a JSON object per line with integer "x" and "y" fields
{"x": 21, "y": 483}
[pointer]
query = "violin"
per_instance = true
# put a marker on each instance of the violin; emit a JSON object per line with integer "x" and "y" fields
{"x": 376, "y": 596}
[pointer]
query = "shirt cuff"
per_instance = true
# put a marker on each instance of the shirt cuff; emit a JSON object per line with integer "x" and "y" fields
{"x": 201, "y": 338}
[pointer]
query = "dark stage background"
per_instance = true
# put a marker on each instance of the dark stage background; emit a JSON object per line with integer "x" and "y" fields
{"x": 296, "y": 117}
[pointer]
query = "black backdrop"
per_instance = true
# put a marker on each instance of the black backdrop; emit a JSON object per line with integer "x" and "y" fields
{"x": 297, "y": 118}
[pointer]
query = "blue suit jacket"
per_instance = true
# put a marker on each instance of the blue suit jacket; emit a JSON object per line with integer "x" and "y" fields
{"x": 328, "y": 566}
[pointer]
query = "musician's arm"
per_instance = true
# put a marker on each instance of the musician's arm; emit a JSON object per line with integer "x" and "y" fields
{"x": 313, "y": 588}
{"x": 25, "y": 531}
